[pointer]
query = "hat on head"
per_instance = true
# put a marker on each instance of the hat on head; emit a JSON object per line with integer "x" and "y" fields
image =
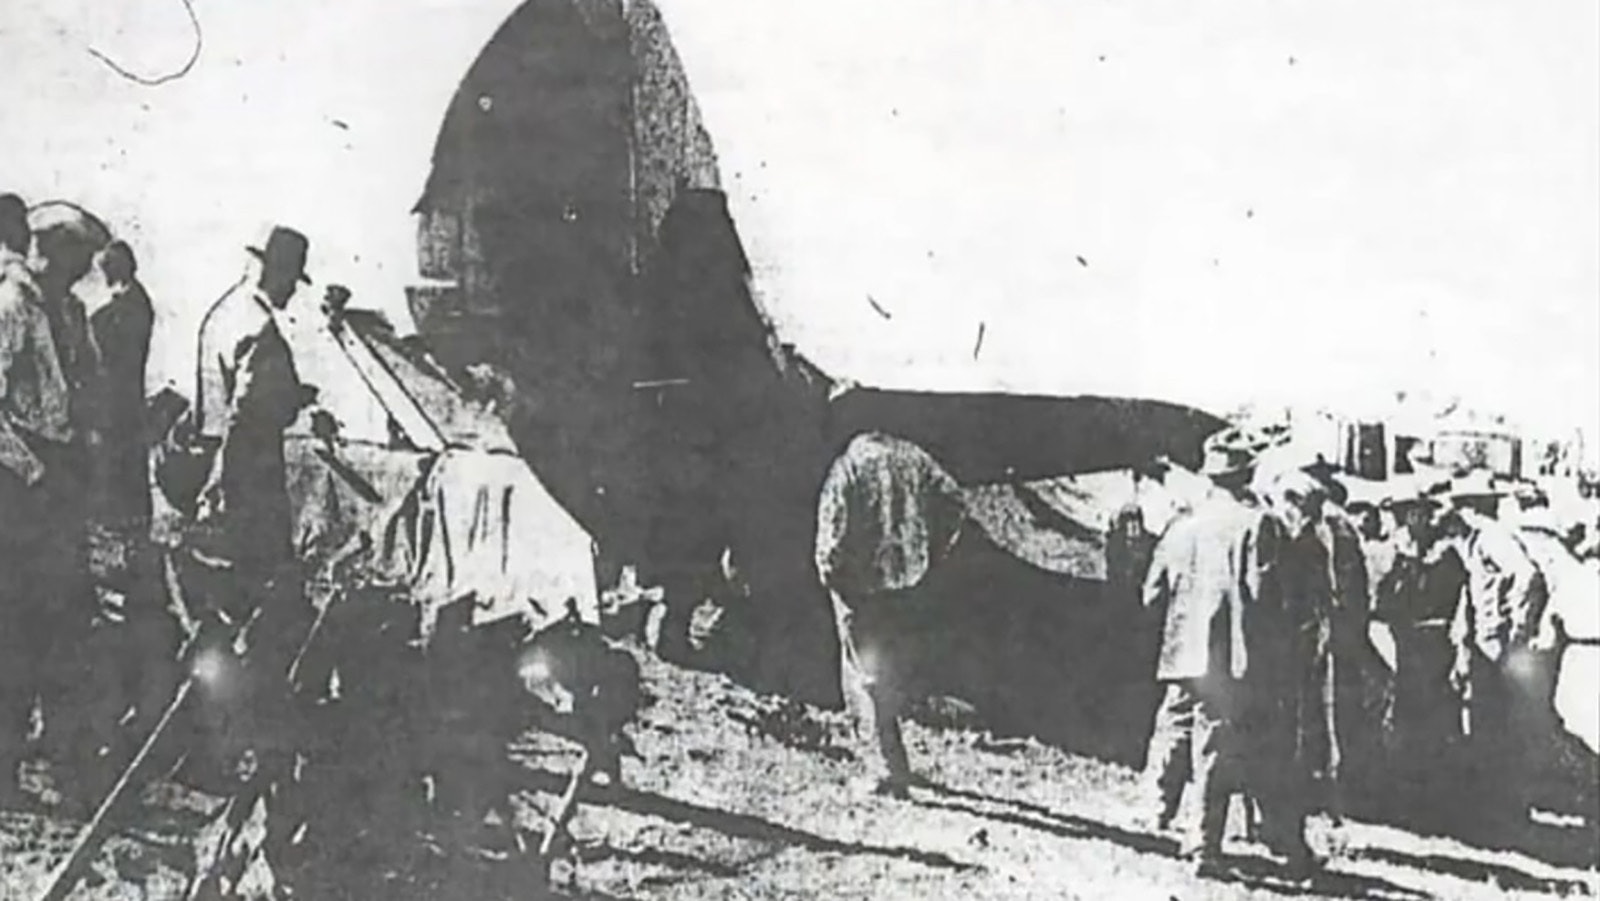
{"x": 285, "y": 249}
{"x": 1475, "y": 485}
{"x": 1326, "y": 474}
{"x": 1294, "y": 485}
{"x": 1229, "y": 454}
{"x": 1413, "y": 491}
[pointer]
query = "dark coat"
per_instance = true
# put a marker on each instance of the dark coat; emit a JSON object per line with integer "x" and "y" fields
{"x": 121, "y": 330}
{"x": 266, "y": 399}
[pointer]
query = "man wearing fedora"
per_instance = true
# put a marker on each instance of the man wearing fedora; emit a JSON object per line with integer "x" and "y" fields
{"x": 1495, "y": 669}
{"x": 241, "y": 551}
{"x": 1212, "y": 581}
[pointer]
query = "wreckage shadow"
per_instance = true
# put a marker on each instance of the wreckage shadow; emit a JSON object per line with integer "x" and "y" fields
{"x": 1254, "y": 873}
{"x": 1065, "y": 660}
{"x": 737, "y": 825}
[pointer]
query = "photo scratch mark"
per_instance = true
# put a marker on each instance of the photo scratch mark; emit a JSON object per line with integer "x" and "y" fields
{"x": 194, "y": 56}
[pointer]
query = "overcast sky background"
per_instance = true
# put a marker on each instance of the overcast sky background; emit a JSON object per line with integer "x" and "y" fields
{"x": 1279, "y": 201}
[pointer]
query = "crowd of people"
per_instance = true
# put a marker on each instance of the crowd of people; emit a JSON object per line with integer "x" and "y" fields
{"x": 1267, "y": 600}
{"x": 328, "y": 762}
{"x": 75, "y": 328}
{"x": 1263, "y": 594}
{"x": 1268, "y": 593}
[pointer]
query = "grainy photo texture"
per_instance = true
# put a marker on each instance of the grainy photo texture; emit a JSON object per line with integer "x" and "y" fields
{"x": 843, "y": 449}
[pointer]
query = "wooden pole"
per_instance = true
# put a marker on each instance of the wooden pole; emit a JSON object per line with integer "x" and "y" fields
{"x": 563, "y": 814}
{"x": 94, "y": 833}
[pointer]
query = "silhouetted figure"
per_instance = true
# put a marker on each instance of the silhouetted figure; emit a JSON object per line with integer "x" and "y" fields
{"x": 121, "y": 329}
{"x": 1417, "y": 599}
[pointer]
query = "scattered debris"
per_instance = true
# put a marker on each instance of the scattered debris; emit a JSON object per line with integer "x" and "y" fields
{"x": 976, "y": 348}
{"x": 876, "y": 306}
{"x": 1083, "y": 262}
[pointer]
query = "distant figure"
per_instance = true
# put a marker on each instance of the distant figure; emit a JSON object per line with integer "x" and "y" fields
{"x": 1210, "y": 579}
{"x": 121, "y": 329}
{"x": 38, "y": 615}
{"x": 889, "y": 515}
{"x": 1129, "y": 546}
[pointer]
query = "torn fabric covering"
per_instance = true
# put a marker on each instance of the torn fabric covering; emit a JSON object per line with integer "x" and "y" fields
{"x": 480, "y": 525}
{"x": 438, "y": 528}
{"x": 343, "y": 502}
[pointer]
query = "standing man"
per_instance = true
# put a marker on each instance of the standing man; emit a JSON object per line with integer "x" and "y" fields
{"x": 889, "y": 516}
{"x": 1495, "y": 666}
{"x": 35, "y": 438}
{"x": 1211, "y": 578}
{"x": 1416, "y": 599}
{"x": 1327, "y": 597}
{"x": 249, "y": 393}
{"x": 121, "y": 330}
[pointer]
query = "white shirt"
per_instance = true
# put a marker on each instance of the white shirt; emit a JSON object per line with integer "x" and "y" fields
{"x": 237, "y": 317}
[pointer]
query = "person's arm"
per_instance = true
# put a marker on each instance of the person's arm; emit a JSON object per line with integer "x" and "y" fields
{"x": 833, "y": 521}
{"x": 15, "y": 454}
{"x": 1525, "y": 592}
{"x": 1462, "y": 633}
{"x": 1157, "y": 589}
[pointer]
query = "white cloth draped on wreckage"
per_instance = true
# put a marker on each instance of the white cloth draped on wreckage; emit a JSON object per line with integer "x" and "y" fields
{"x": 440, "y": 528}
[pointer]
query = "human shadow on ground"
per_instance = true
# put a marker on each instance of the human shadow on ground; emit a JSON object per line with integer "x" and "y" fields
{"x": 1503, "y": 876}
{"x": 1253, "y": 872}
{"x": 737, "y": 825}
{"x": 657, "y": 857}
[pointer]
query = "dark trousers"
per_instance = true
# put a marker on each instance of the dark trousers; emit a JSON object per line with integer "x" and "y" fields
{"x": 1510, "y": 722}
{"x": 1194, "y": 743}
{"x": 46, "y": 606}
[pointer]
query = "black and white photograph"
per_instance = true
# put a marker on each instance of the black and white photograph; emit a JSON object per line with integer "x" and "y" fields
{"x": 662, "y": 450}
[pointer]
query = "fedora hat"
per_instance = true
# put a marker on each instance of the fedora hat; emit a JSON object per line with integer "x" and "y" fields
{"x": 285, "y": 249}
{"x": 1327, "y": 475}
{"x": 1229, "y": 454}
{"x": 1413, "y": 491}
{"x": 1474, "y": 485}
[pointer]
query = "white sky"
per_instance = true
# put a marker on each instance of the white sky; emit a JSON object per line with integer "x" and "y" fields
{"x": 1424, "y": 179}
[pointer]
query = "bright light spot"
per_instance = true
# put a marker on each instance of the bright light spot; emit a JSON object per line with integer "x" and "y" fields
{"x": 210, "y": 666}
{"x": 535, "y": 669}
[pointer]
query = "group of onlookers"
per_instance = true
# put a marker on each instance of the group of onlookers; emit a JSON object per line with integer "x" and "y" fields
{"x": 75, "y": 328}
{"x": 1274, "y": 688}
{"x": 1268, "y": 595}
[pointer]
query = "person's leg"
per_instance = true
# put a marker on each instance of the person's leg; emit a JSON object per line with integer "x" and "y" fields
{"x": 888, "y": 704}
{"x": 1214, "y": 769}
{"x": 1275, "y": 774}
{"x": 1167, "y": 768}
{"x": 872, "y": 699}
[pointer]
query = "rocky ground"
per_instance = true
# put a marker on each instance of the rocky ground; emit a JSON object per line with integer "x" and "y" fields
{"x": 737, "y": 795}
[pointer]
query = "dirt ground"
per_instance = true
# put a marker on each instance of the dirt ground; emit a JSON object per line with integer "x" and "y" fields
{"x": 739, "y": 796}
